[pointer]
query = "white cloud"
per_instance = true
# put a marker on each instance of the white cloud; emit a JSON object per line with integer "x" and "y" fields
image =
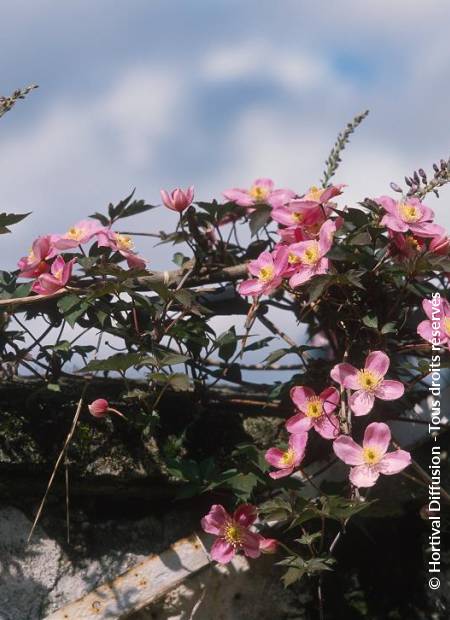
{"x": 266, "y": 60}
{"x": 82, "y": 154}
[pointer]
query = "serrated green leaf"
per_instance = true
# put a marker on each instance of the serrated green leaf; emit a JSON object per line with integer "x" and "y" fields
{"x": 118, "y": 362}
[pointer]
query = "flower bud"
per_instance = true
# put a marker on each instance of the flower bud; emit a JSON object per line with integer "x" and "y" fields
{"x": 268, "y": 545}
{"x": 178, "y": 200}
{"x": 99, "y": 408}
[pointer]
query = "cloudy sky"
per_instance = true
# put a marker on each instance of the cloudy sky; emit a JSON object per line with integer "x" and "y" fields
{"x": 152, "y": 93}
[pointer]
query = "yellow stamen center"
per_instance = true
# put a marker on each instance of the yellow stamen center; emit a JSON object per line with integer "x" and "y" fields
{"x": 233, "y": 533}
{"x": 124, "y": 242}
{"x": 58, "y": 274}
{"x": 311, "y": 254}
{"x": 31, "y": 256}
{"x": 74, "y": 233}
{"x": 368, "y": 380}
{"x": 413, "y": 243}
{"x": 371, "y": 456}
{"x": 314, "y": 408}
{"x": 409, "y": 213}
{"x": 297, "y": 217}
{"x": 447, "y": 325}
{"x": 314, "y": 193}
{"x": 293, "y": 259}
{"x": 288, "y": 458}
{"x": 266, "y": 273}
{"x": 258, "y": 193}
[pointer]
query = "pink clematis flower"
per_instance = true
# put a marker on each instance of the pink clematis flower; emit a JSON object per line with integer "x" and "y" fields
{"x": 309, "y": 256}
{"x": 406, "y": 245}
{"x": 300, "y": 213}
{"x": 60, "y": 273}
{"x": 314, "y": 412}
{"x": 178, "y": 200}
{"x": 437, "y": 325}
{"x": 269, "y": 269}
{"x": 123, "y": 244}
{"x": 232, "y": 531}
{"x": 100, "y": 408}
{"x": 261, "y": 192}
{"x": 35, "y": 263}
{"x": 372, "y": 459}
{"x": 286, "y": 461}
{"x": 369, "y": 382}
{"x": 80, "y": 233}
{"x": 409, "y": 214}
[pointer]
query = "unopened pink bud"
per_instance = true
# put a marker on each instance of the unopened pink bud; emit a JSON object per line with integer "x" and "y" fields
{"x": 178, "y": 200}
{"x": 99, "y": 408}
{"x": 440, "y": 245}
{"x": 268, "y": 545}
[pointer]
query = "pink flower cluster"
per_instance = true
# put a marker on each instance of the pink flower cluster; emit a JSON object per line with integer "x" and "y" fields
{"x": 306, "y": 232}
{"x": 410, "y": 226}
{"x": 318, "y": 412}
{"x": 47, "y": 266}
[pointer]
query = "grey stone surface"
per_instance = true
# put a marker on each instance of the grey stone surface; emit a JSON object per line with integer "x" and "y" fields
{"x": 27, "y": 572}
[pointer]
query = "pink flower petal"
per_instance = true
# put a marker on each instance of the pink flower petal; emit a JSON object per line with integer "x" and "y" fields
{"x": 299, "y": 423}
{"x": 251, "y": 287}
{"x": 327, "y": 426}
{"x": 390, "y": 390}
{"x": 346, "y": 375}
{"x": 394, "y": 223}
{"x": 222, "y": 552}
{"x": 215, "y": 519}
{"x": 303, "y": 275}
{"x": 425, "y": 330}
{"x": 388, "y": 204}
{"x": 426, "y": 229}
{"x": 245, "y": 515}
{"x": 377, "y": 435}
{"x": 251, "y": 544}
{"x": 330, "y": 399}
{"x": 298, "y": 443}
{"x": 348, "y": 450}
{"x": 364, "y": 476}
{"x": 394, "y": 462}
{"x": 299, "y": 395}
{"x": 326, "y": 233}
{"x": 281, "y": 473}
{"x": 361, "y": 402}
{"x": 377, "y": 362}
{"x": 274, "y": 457}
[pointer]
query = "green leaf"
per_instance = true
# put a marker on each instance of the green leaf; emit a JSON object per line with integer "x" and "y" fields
{"x": 259, "y": 344}
{"x": 259, "y": 218}
{"x": 101, "y": 218}
{"x": 72, "y": 308}
{"x": 370, "y": 321}
{"x": 362, "y": 238}
{"x": 120, "y": 361}
{"x": 179, "y": 382}
{"x": 171, "y": 359}
{"x": 318, "y": 286}
{"x": 389, "y": 328}
{"x": 308, "y": 539}
{"x": 227, "y": 343}
{"x": 8, "y": 219}
{"x": 292, "y": 575}
{"x": 243, "y": 485}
